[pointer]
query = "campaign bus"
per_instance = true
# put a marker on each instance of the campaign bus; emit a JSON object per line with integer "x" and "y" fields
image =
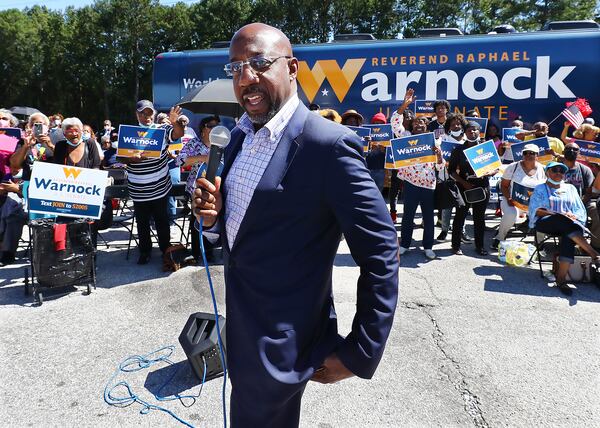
{"x": 503, "y": 76}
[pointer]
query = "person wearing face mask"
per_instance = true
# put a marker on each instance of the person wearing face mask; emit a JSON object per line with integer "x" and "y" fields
{"x": 195, "y": 154}
{"x": 107, "y": 128}
{"x": 556, "y": 208}
{"x": 540, "y": 129}
{"x": 460, "y": 169}
{"x": 89, "y": 134}
{"x": 55, "y": 132}
{"x": 36, "y": 146}
{"x": 75, "y": 149}
{"x": 454, "y": 128}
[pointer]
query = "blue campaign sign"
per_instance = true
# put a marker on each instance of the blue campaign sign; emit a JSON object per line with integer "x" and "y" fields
{"x": 483, "y": 158}
{"x": 138, "y": 139}
{"x": 362, "y": 132}
{"x": 381, "y": 133}
{"x": 542, "y": 143}
{"x": 520, "y": 195}
{"x": 447, "y": 147}
{"x": 509, "y": 135}
{"x": 481, "y": 121}
{"x": 424, "y": 108}
{"x": 589, "y": 150}
{"x": 389, "y": 159}
{"x": 413, "y": 150}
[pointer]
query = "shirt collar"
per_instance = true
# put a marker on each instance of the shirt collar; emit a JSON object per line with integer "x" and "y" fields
{"x": 277, "y": 124}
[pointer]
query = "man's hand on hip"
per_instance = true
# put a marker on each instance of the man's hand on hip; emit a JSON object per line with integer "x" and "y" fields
{"x": 207, "y": 200}
{"x": 332, "y": 370}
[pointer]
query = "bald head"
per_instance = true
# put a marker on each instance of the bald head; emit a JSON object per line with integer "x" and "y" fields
{"x": 264, "y": 33}
{"x": 266, "y": 79}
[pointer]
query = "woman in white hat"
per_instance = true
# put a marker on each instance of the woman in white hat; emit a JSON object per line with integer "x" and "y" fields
{"x": 528, "y": 173}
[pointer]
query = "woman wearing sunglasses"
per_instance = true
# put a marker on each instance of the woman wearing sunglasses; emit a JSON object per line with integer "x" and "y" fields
{"x": 195, "y": 153}
{"x": 555, "y": 208}
{"x": 528, "y": 173}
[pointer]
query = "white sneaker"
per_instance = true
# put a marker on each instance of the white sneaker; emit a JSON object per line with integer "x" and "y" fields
{"x": 430, "y": 254}
{"x": 403, "y": 250}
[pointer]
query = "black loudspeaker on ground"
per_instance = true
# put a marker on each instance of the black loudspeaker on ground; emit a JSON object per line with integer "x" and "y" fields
{"x": 199, "y": 341}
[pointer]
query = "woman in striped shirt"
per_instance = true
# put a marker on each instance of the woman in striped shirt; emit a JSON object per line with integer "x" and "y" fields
{"x": 149, "y": 182}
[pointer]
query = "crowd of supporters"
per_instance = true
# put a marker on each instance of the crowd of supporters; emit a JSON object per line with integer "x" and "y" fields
{"x": 563, "y": 201}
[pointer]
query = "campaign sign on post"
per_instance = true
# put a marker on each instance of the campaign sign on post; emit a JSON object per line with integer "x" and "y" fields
{"x": 509, "y": 135}
{"x": 137, "y": 139}
{"x": 424, "y": 108}
{"x": 381, "y": 133}
{"x": 447, "y": 147}
{"x": 482, "y": 122}
{"x": 520, "y": 195}
{"x": 588, "y": 150}
{"x": 362, "y": 132}
{"x": 66, "y": 190}
{"x": 413, "y": 150}
{"x": 389, "y": 159}
{"x": 483, "y": 158}
{"x": 9, "y": 137}
{"x": 542, "y": 143}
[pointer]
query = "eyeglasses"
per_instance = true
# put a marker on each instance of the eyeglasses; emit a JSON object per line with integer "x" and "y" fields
{"x": 557, "y": 170}
{"x": 529, "y": 154}
{"x": 259, "y": 64}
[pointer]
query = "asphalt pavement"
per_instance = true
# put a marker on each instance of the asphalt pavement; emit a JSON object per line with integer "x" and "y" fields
{"x": 474, "y": 343}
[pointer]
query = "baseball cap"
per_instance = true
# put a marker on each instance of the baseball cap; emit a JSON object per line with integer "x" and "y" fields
{"x": 144, "y": 104}
{"x": 553, "y": 164}
{"x": 531, "y": 148}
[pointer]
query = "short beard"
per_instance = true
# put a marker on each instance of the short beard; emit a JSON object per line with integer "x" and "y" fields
{"x": 262, "y": 119}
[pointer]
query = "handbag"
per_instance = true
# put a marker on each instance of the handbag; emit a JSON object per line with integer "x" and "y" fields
{"x": 579, "y": 271}
{"x": 472, "y": 196}
{"x": 446, "y": 194}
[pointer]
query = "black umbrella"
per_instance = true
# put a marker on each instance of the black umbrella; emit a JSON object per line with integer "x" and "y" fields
{"x": 216, "y": 97}
{"x": 23, "y": 111}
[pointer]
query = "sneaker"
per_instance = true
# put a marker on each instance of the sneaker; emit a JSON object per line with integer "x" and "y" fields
{"x": 564, "y": 288}
{"x": 457, "y": 251}
{"x": 442, "y": 236}
{"x": 429, "y": 254}
{"x": 466, "y": 238}
{"x": 403, "y": 250}
{"x": 494, "y": 244}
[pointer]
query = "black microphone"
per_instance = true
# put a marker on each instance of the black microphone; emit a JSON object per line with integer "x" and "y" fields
{"x": 219, "y": 137}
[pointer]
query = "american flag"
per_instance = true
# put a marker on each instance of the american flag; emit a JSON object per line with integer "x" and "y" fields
{"x": 573, "y": 115}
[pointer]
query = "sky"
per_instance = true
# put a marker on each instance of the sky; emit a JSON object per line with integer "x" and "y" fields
{"x": 62, "y": 4}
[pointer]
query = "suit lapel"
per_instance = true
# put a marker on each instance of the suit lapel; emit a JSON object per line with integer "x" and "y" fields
{"x": 276, "y": 169}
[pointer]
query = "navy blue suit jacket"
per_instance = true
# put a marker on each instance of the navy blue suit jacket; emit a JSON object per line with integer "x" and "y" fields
{"x": 281, "y": 322}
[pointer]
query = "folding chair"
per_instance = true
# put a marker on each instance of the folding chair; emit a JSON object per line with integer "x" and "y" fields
{"x": 539, "y": 248}
{"x": 123, "y": 219}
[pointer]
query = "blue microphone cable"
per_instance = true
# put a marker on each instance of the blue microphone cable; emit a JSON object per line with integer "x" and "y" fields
{"x": 214, "y": 301}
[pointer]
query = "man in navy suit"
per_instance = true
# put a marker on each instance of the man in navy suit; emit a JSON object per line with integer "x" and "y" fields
{"x": 293, "y": 182}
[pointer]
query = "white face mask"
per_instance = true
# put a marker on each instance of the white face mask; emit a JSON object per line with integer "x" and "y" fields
{"x": 57, "y": 122}
{"x": 456, "y": 133}
{"x": 4, "y": 123}
{"x": 86, "y": 136}
{"x": 114, "y": 144}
